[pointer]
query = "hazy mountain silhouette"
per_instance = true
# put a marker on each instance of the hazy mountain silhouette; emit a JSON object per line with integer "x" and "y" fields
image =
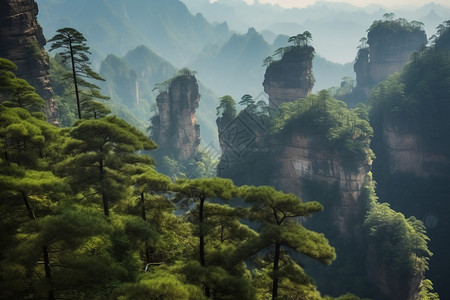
{"x": 116, "y": 26}
{"x": 336, "y": 27}
{"x": 130, "y": 82}
{"x": 226, "y": 62}
{"x": 235, "y": 67}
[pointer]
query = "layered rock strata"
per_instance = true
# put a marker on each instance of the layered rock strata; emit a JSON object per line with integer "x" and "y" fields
{"x": 22, "y": 41}
{"x": 407, "y": 152}
{"x": 176, "y": 129}
{"x": 290, "y": 78}
{"x": 304, "y": 158}
{"x": 387, "y": 52}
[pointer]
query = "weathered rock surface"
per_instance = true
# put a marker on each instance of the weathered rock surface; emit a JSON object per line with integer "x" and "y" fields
{"x": 176, "y": 131}
{"x": 290, "y": 78}
{"x": 301, "y": 157}
{"x": 22, "y": 41}
{"x": 388, "y": 52}
{"x": 407, "y": 152}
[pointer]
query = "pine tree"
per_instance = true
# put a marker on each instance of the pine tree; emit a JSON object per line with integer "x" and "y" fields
{"x": 153, "y": 207}
{"x": 276, "y": 212}
{"x": 97, "y": 156}
{"x": 17, "y": 91}
{"x": 75, "y": 51}
{"x": 200, "y": 191}
{"x": 28, "y": 190}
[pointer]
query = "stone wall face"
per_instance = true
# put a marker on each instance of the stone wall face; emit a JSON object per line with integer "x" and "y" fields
{"x": 387, "y": 53}
{"x": 22, "y": 42}
{"x": 303, "y": 157}
{"x": 406, "y": 151}
{"x": 178, "y": 131}
{"x": 289, "y": 79}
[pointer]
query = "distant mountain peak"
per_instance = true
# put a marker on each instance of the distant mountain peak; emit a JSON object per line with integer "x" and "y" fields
{"x": 251, "y": 30}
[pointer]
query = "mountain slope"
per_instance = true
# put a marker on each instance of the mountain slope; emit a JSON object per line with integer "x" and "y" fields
{"x": 116, "y": 26}
{"x": 235, "y": 67}
{"x": 130, "y": 81}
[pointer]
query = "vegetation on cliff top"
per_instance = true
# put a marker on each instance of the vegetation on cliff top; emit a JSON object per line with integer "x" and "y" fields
{"x": 346, "y": 130}
{"x": 300, "y": 48}
{"x": 418, "y": 94}
{"x": 389, "y": 24}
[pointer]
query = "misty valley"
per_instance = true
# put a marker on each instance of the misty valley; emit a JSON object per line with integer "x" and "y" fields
{"x": 188, "y": 149}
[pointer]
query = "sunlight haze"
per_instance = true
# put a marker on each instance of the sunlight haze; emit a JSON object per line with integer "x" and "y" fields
{"x": 387, "y": 3}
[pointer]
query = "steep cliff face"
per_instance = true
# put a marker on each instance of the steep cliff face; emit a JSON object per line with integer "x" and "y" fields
{"x": 304, "y": 158}
{"x": 176, "y": 130}
{"x": 291, "y": 77}
{"x": 22, "y": 42}
{"x": 390, "y": 45}
{"x": 407, "y": 152}
{"x": 318, "y": 149}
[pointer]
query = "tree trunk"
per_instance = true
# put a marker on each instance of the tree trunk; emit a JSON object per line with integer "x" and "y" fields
{"x": 144, "y": 217}
{"x": 74, "y": 75}
{"x": 105, "y": 204}
{"x": 276, "y": 261}
{"x": 5, "y": 144}
{"x": 202, "y": 238}
{"x": 48, "y": 273}
{"x": 104, "y": 197}
{"x": 28, "y": 206}
{"x": 202, "y": 241}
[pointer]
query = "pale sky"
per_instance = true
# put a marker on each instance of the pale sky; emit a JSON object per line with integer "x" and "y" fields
{"x": 387, "y": 3}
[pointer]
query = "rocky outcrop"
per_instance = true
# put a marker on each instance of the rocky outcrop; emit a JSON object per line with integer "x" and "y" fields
{"x": 305, "y": 163}
{"x": 22, "y": 42}
{"x": 244, "y": 142}
{"x": 390, "y": 45}
{"x": 302, "y": 157}
{"x": 291, "y": 77}
{"x": 406, "y": 151}
{"x": 175, "y": 129}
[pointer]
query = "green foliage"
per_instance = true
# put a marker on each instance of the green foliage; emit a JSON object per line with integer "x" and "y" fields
{"x": 404, "y": 238}
{"x": 64, "y": 97}
{"x": 158, "y": 284}
{"x": 74, "y": 55}
{"x": 36, "y": 52}
{"x": 417, "y": 96}
{"x": 16, "y": 91}
{"x": 247, "y": 100}
{"x": 401, "y": 243}
{"x": 203, "y": 164}
{"x": 25, "y": 138}
{"x": 426, "y": 292}
{"x": 442, "y": 37}
{"x": 275, "y": 212}
{"x": 55, "y": 240}
{"x": 100, "y": 150}
{"x": 347, "y": 296}
{"x": 220, "y": 234}
{"x": 301, "y": 48}
{"x": 344, "y": 129}
{"x": 301, "y": 39}
{"x": 344, "y": 90}
{"x": 395, "y": 26}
